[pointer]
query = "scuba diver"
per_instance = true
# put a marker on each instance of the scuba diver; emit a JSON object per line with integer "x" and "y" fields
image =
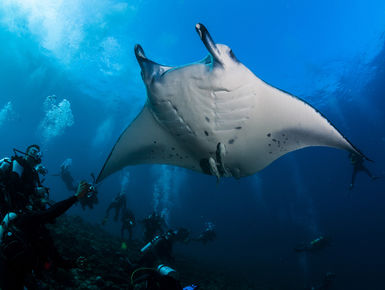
{"x": 326, "y": 283}
{"x": 66, "y": 175}
{"x": 315, "y": 245}
{"x": 159, "y": 249}
{"x": 207, "y": 235}
{"x": 25, "y": 245}
{"x": 91, "y": 198}
{"x": 128, "y": 223}
{"x": 119, "y": 203}
{"x": 154, "y": 224}
{"x": 358, "y": 165}
{"x": 154, "y": 274}
{"x": 19, "y": 180}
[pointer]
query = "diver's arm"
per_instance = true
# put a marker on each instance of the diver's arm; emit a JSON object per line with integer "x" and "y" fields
{"x": 58, "y": 208}
{"x": 45, "y": 216}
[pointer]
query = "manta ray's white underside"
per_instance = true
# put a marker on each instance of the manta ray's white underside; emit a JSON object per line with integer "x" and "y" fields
{"x": 193, "y": 108}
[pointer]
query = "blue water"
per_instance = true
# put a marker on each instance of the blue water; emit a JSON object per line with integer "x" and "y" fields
{"x": 69, "y": 81}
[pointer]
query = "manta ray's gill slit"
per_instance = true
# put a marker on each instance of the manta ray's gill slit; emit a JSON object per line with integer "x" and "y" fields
{"x": 168, "y": 115}
{"x": 230, "y": 113}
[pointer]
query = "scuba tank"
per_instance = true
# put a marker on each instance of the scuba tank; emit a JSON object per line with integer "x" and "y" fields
{"x": 158, "y": 238}
{"x": 150, "y": 244}
{"x": 167, "y": 271}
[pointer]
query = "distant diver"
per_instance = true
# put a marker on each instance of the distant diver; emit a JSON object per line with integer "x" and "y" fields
{"x": 128, "y": 223}
{"x": 154, "y": 224}
{"x": 208, "y": 235}
{"x": 317, "y": 244}
{"x": 358, "y": 165}
{"x": 66, "y": 176}
{"x": 119, "y": 204}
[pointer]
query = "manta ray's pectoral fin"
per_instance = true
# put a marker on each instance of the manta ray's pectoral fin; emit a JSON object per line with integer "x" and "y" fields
{"x": 146, "y": 142}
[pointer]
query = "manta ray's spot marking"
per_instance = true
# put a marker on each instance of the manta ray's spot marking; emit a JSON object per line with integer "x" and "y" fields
{"x": 269, "y": 144}
{"x": 231, "y": 141}
{"x": 207, "y": 119}
{"x": 269, "y": 134}
{"x": 206, "y": 133}
{"x": 154, "y": 142}
{"x": 172, "y": 148}
{"x": 238, "y": 128}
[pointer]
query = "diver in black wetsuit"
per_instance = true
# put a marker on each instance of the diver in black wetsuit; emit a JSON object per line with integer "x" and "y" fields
{"x": 66, "y": 175}
{"x": 159, "y": 249}
{"x": 24, "y": 242}
{"x": 358, "y": 165}
{"x": 119, "y": 203}
{"x": 128, "y": 223}
{"x": 154, "y": 224}
{"x": 19, "y": 180}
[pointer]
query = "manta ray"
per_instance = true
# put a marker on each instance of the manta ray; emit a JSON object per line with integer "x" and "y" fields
{"x": 216, "y": 117}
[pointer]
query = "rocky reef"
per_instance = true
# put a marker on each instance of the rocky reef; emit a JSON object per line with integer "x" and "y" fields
{"x": 101, "y": 262}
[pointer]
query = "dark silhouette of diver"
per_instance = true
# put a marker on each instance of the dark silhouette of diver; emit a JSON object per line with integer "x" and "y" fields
{"x": 154, "y": 224}
{"x": 119, "y": 203}
{"x": 358, "y": 165}
{"x": 66, "y": 175}
{"x": 128, "y": 223}
{"x": 208, "y": 235}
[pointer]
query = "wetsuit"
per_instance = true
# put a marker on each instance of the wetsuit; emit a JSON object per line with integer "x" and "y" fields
{"x": 128, "y": 222}
{"x": 18, "y": 188}
{"x": 67, "y": 178}
{"x": 27, "y": 242}
{"x": 118, "y": 203}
